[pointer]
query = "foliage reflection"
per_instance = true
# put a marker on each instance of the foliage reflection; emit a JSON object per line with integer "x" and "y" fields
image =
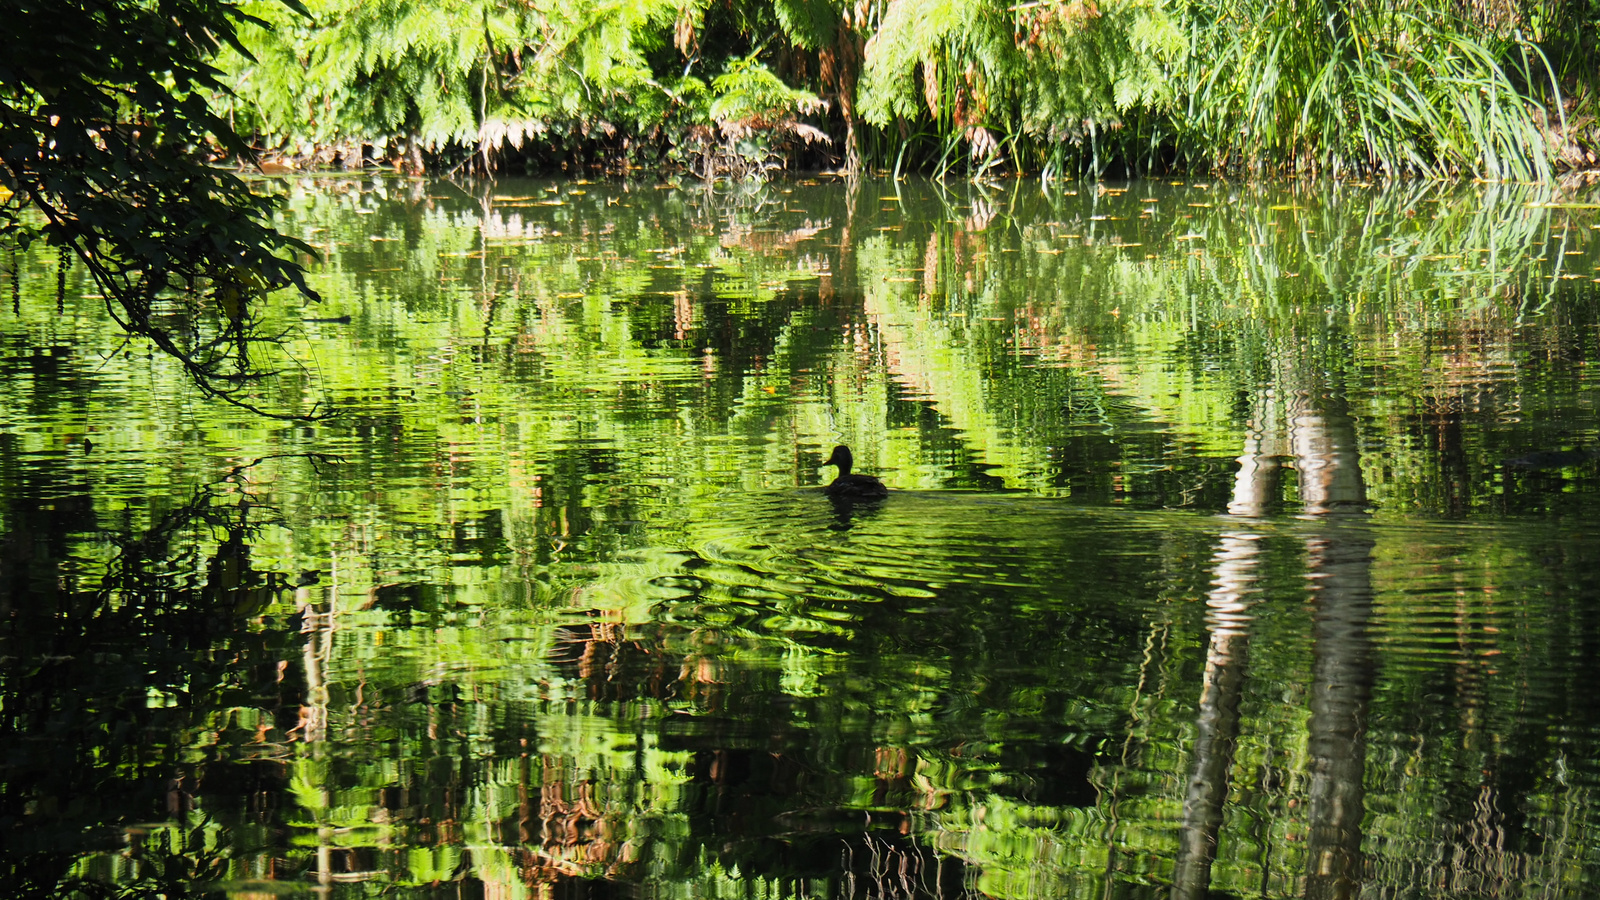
{"x": 1238, "y": 543}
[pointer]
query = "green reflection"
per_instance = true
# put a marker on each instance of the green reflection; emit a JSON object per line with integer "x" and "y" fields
{"x": 1220, "y": 511}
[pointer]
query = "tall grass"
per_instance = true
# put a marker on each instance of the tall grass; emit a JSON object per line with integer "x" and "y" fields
{"x": 1373, "y": 88}
{"x": 1360, "y": 87}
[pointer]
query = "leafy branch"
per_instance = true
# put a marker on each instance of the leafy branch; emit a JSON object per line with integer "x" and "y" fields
{"x": 105, "y": 131}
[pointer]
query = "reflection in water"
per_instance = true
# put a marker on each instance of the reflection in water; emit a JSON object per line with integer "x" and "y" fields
{"x": 847, "y": 508}
{"x": 1217, "y": 728}
{"x": 107, "y": 678}
{"x": 1340, "y": 558}
{"x": 1341, "y": 686}
{"x": 1237, "y": 545}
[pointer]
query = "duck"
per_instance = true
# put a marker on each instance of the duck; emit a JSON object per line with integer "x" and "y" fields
{"x": 852, "y": 487}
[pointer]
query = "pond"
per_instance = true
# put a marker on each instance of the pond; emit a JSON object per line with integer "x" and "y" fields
{"x": 1243, "y": 540}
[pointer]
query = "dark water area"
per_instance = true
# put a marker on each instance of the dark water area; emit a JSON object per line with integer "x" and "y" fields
{"x": 1242, "y": 541}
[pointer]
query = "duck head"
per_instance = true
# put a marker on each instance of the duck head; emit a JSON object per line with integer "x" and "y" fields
{"x": 841, "y": 457}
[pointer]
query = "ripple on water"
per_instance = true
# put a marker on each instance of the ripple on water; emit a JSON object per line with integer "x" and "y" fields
{"x": 1464, "y": 651}
{"x": 812, "y": 566}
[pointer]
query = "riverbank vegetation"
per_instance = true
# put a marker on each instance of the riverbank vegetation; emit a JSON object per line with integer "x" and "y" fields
{"x": 1059, "y": 87}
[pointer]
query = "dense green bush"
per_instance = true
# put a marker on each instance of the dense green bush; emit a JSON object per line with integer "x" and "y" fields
{"x": 737, "y": 87}
{"x": 475, "y": 82}
{"x": 1361, "y": 87}
{"x": 1298, "y": 86}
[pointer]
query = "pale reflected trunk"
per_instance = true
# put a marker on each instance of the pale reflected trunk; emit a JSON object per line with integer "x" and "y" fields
{"x": 1340, "y": 566}
{"x": 313, "y": 727}
{"x": 1342, "y": 679}
{"x": 1319, "y": 435}
{"x": 1217, "y": 727}
{"x": 1256, "y": 486}
{"x": 1234, "y": 577}
{"x": 1323, "y": 442}
{"x": 841, "y": 274}
{"x": 318, "y": 629}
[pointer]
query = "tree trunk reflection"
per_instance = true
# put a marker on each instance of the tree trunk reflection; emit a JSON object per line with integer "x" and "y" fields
{"x": 1340, "y": 564}
{"x": 1320, "y": 436}
{"x": 1217, "y": 727}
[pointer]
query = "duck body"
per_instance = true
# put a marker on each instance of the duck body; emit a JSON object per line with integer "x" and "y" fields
{"x": 849, "y": 486}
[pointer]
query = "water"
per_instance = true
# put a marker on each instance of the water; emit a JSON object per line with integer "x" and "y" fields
{"x": 1243, "y": 541}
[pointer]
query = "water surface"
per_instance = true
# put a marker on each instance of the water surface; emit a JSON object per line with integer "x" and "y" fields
{"x": 1243, "y": 540}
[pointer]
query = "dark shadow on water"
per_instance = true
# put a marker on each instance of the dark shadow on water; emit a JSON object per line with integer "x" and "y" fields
{"x": 846, "y": 510}
{"x": 105, "y": 675}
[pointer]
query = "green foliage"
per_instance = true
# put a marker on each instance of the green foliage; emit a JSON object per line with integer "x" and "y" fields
{"x": 749, "y": 94}
{"x": 454, "y": 74}
{"x": 965, "y": 51}
{"x": 1392, "y": 89}
{"x": 755, "y": 115}
{"x": 489, "y": 77}
{"x": 1099, "y": 83}
{"x": 809, "y": 24}
{"x": 104, "y": 128}
{"x": 1070, "y": 85}
{"x": 1100, "y": 63}
{"x": 1275, "y": 86}
{"x": 1061, "y": 74}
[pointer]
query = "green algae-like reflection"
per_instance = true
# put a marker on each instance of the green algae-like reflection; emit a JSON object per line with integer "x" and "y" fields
{"x": 1244, "y": 539}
